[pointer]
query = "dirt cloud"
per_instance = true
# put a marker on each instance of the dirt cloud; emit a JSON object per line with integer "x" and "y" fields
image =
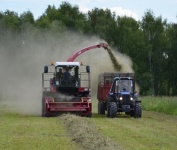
{"x": 23, "y": 56}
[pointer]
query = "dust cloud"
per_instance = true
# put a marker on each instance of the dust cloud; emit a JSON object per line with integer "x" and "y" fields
{"x": 23, "y": 57}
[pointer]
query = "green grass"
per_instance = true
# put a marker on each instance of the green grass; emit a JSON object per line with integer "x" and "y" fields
{"x": 153, "y": 131}
{"x": 166, "y": 105}
{"x": 20, "y": 132}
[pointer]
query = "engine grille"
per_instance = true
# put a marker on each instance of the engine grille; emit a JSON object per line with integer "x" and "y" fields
{"x": 126, "y": 100}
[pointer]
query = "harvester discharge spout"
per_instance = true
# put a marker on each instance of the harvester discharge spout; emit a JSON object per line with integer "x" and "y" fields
{"x": 76, "y": 54}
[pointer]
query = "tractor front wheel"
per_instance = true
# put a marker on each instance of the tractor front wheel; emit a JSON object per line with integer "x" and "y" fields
{"x": 138, "y": 110}
{"x": 113, "y": 109}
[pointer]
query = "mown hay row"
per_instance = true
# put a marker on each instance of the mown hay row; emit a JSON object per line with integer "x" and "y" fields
{"x": 86, "y": 134}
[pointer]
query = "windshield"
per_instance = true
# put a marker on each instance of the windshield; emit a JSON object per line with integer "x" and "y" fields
{"x": 124, "y": 85}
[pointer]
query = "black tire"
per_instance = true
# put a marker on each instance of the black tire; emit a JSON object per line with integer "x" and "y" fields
{"x": 43, "y": 107}
{"x": 89, "y": 115}
{"x": 108, "y": 109}
{"x": 113, "y": 109}
{"x": 44, "y": 94}
{"x": 138, "y": 110}
{"x": 102, "y": 108}
{"x": 98, "y": 107}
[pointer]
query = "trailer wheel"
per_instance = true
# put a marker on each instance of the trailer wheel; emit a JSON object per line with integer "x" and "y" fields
{"x": 138, "y": 110}
{"x": 113, "y": 109}
{"x": 98, "y": 107}
{"x": 108, "y": 109}
{"x": 102, "y": 108}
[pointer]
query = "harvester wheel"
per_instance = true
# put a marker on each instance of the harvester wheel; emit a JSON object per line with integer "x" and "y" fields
{"x": 89, "y": 115}
{"x": 113, "y": 109}
{"x": 43, "y": 107}
{"x": 138, "y": 110}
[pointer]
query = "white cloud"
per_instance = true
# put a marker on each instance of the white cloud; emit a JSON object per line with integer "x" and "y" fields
{"x": 119, "y": 11}
{"x": 84, "y": 9}
{"x": 124, "y": 12}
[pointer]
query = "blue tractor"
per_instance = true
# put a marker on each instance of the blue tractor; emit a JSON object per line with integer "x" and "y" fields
{"x": 122, "y": 97}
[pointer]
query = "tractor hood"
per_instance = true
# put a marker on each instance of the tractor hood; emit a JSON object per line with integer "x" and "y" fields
{"x": 125, "y": 93}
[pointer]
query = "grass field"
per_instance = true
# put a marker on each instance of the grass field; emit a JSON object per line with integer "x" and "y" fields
{"x": 154, "y": 130}
{"x": 20, "y": 132}
{"x": 166, "y": 105}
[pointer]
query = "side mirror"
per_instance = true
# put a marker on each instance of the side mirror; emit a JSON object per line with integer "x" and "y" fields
{"x": 88, "y": 69}
{"x": 46, "y": 69}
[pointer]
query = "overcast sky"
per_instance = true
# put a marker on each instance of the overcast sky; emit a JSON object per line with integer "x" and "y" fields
{"x": 134, "y": 8}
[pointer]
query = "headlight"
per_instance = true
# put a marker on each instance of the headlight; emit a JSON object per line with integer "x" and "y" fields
{"x": 121, "y": 98}
{"x": 57, "y": 82}
{"x": 89, "y": 100}
{"x": 131, "y": 98}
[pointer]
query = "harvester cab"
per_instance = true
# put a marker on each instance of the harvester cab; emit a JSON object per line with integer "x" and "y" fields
{"x": 66, "y": 88}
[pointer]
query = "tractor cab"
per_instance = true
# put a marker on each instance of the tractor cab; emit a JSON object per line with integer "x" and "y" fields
{"x": 123, "y": 86}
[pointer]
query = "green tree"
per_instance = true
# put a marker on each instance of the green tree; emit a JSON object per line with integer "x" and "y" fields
{"x": 71, "y": 17}
{"x": 171, "y": 59}
{"x": 102, "y": 23}
{"x": 155, "y": 37}
{"x": 43, "y": 22}
{"x": 27, "y": 17}
{"x": 11, "y": 19}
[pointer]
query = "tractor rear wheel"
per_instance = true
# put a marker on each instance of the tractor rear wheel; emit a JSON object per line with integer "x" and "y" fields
{"x": 113, "y": 109}
{"x": 138, "y": 110}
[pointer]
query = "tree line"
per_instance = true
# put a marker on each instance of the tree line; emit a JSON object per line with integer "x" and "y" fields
{"x": 151, "y": 43}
